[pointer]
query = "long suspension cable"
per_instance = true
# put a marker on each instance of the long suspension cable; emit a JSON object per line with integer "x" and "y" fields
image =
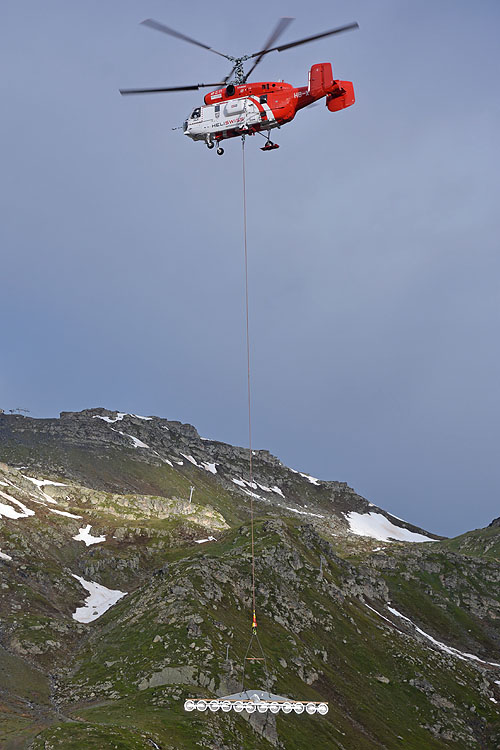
{"x": 254, "y": 619}
{"x": 254, "y": 635}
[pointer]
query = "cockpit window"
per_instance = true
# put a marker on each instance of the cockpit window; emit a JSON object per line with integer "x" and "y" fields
{"x": 196, "y": 113}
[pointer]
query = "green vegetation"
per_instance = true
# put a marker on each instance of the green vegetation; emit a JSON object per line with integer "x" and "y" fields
{"x": 479, "y": 543}
{"x": 355, "y": 649}
{"x": 121, "y": 681}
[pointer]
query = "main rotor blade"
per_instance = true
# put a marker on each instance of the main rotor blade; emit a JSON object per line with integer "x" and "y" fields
{"x": 152, "y": 24}
{"x": 339, "y": 30}
{"x": 195, "y": 87}
{"x": 280, "y": 27}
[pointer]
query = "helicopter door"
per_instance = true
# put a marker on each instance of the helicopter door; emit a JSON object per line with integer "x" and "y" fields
{"x": 235, "y": 107}
{"x": 217, "y": 111}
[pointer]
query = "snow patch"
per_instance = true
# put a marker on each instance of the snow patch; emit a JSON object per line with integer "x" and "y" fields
{"x": 264, "y": 488}
{"x": 190, "y": 458}
{"x": 4, "y": 556}
{"x": 309, "y": 478}
{"x": 41, "y": 483}
{"x": 305, "y": 513}
{"x": 254, "y": 494}
{"x": 380, "y": 615}
{"x": 44, "y": 482}
{"x": 246, "y": 483}
{"x": 397, "y": 517}
{"x": 379, "y": 527}
{"x": 202, "y": 541}
{"x": 84, "y": 535}
{"x": 136, "y": 442}
{"x": 98, "y": 602}
{"x": 63, "y": 513}
{"x": 206, "y": 465}
{"x": 48, "y": 498}
{"x": 120, "y": 415}
{"x": 9, "y": 512}
{"x": 448, "y": 649}
{"x": 111, "y": 420}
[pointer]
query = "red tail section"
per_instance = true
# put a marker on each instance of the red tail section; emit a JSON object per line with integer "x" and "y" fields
{"x": 320, "y": 79}
{"x": 339, "y": 94}
{"x": 341, "y": 98}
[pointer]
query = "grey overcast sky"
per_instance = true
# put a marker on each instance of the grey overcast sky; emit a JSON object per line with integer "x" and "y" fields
{"x": 373, "y": 239}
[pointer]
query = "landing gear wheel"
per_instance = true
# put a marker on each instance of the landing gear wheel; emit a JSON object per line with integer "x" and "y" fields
{"x": 220, "y": 150}
{"x": 210, "y": 144}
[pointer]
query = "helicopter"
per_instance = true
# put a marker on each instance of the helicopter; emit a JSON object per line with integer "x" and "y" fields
{"x": 238, "y": 108}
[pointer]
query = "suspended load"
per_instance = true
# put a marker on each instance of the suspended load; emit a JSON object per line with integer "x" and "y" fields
{"x": 259, "y": 701}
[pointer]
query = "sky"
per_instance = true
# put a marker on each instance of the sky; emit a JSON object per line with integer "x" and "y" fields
{"x": 373, "y": 239}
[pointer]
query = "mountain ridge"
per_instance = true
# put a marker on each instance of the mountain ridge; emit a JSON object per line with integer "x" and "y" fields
{"x": 92, "y": 429}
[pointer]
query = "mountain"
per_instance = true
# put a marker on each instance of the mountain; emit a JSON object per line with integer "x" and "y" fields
{"x": 120, "y": 598}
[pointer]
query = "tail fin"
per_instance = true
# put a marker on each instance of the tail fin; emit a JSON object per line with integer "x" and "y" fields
{"x": 320, "y": 79}
{"x": 339, "y": 94}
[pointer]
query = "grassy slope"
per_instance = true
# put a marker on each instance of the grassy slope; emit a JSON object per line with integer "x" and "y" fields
{"x": 22, "y": 687}
{"x": 364, "y": 712}
{"x": 479, "y": 543}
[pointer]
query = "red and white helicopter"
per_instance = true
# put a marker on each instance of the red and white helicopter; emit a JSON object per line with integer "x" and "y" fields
{"x": 239, "y": 108}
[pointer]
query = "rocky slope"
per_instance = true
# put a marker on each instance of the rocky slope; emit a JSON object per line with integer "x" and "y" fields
{"x": 397, "y": 630}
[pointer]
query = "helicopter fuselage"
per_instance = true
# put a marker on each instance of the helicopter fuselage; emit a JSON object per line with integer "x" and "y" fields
{"x": 250, "y": 108}
{"x": 242, "y": 108}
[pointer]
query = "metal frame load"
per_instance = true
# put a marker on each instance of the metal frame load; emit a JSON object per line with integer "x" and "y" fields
{"x": 256, "y": 701}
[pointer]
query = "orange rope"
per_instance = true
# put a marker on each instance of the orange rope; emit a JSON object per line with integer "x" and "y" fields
{"x": 254, "y": 618}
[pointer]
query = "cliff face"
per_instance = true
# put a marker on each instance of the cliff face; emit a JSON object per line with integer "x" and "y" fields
{"x": 120, "y": 597}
